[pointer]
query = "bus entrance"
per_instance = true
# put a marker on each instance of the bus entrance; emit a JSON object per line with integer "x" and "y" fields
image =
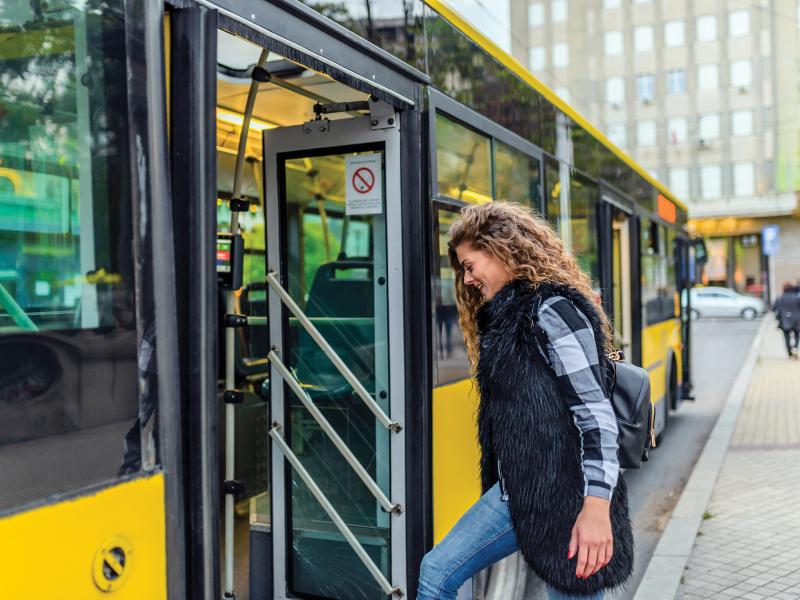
{"x": 335, "y": 328}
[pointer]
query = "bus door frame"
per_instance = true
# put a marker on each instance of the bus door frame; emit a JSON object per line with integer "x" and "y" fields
{"x": 344, "y": 134}
{"x": 193, "y": 68}
{"x": 611, "y": 200}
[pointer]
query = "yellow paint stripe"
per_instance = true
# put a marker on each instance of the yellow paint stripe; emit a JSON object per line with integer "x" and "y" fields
{"x": 519, "y": 69}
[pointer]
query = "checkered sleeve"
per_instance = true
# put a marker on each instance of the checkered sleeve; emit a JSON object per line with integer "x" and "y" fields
{"x": 573, "y": 356}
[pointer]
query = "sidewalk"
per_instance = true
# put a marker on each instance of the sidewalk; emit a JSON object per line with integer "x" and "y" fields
{"x": 746, "y": 539}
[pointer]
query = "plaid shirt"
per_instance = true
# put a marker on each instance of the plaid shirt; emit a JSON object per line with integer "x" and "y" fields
{"x": 572, "y": 354}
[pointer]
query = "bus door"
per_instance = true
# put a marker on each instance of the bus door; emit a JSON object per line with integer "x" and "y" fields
{"x": 621, "y": 283}
{"x": 334, "y": 277}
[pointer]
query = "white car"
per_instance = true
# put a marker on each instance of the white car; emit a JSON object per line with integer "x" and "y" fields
{"x": 723, "y": 302}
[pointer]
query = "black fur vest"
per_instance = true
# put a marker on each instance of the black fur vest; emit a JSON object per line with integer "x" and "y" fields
{"x": 523, "y": 422}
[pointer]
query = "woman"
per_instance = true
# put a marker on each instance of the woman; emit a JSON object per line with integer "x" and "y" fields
{"x": 546, "y": 428}
{"x": 787, "y": 312}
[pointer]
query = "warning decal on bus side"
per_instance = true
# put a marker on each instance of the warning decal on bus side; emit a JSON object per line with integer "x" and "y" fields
{"x": 364, "y": 189}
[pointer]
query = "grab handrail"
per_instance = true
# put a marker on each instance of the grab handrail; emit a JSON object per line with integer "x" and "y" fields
{"x": 348, "y": 455}
{"x": 361, "y": 391}
{"x": 351, "y": 539}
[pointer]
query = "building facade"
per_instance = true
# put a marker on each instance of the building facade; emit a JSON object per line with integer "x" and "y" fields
{"x": 704, "y": 94}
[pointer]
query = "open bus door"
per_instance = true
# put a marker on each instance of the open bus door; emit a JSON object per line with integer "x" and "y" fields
{"x": 334, "y": 269}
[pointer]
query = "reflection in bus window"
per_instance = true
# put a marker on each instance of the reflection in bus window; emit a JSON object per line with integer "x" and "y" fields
{"x": 553, "y": 199}
{"x": 583, "y": 196}
{"x": 516, "y": 176}
{"x": 71, "y": 363}
{"x": 396, "y": 26}
{"x": 450, "y": 352}
{"x": 463, "y": 162}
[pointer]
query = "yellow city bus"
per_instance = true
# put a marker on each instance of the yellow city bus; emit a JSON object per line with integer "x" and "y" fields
{"x": 230, "y": 361}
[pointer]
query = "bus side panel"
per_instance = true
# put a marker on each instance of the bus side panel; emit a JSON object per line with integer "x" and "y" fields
{"x": 51, "y": 552}
{"x": 456, "y": 454}
{"x": 657, "y": 340}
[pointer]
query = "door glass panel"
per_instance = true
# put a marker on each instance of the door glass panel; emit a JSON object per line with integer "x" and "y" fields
{"x": 336, "y": 272}
{"x": 616, "y": 282}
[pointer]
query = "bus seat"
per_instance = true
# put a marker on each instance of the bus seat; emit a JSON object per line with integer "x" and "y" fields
{"x": 341, "y": 305}
{"x": 342, "y": 289}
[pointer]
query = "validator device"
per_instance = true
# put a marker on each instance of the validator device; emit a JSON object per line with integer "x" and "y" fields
{"x": 230, "y": 258}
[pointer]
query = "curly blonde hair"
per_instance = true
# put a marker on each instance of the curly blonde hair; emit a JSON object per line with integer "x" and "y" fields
{"x": 528, "y": 247}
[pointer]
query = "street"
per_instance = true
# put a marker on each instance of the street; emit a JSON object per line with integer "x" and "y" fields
{"x": 719, "y": 351}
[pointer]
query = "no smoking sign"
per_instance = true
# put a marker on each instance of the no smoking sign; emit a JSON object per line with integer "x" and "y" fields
{"x": 364, "y": 193}
{"x": 363, "y": 180}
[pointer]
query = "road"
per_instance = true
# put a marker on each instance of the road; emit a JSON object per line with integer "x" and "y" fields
{"x": 720, "y": 347}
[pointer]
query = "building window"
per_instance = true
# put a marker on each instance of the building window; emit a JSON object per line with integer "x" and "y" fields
{"x": 710, "y": 181}
{"x": 560, "y": 55}
{"x": 537, "y": 58}
{"x": 738, "y": 23}
{"x": 646, "y": 133}
{"x": 677, "y": 130}
{"x": 611, "y": 3}
{"x": 708, "y": 127}
{"x": 707, "y": 77}
{"x": 613, "y": 43}
{"x": 679, "y": 181}
{"x": 643, "y": 38}
{"x": 645, "y": 87}
{"x": 674, "y": 34}
{"x": 558, "y": 11}
{"x": 741, "y": 73}
{"x": 744, "y": 179}
{"x": 615, "y": 91}
{"x": 742, "y": 122}
{"x": 536, "y": 14}
{"x": 618, "y": 134}
{"x": 706, "y": 28}
{"x": 676, "y": 81}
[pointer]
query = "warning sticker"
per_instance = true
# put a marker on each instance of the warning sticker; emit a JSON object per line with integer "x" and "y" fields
{"x": 364, "y": 190}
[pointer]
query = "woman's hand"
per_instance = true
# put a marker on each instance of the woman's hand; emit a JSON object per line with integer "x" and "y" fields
{"x": 592, "y": 539}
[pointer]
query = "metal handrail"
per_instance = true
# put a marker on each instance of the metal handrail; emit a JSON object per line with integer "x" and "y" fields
{"x": 348, "y": 455}
{"x": 361, "y": 391}
{"x": 351, "y": 539}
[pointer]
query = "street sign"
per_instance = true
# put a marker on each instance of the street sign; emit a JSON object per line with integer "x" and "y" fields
{"x": 770, "y": 240}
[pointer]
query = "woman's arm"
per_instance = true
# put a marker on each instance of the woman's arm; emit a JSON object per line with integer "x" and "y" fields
{"x": 573, "y": 355}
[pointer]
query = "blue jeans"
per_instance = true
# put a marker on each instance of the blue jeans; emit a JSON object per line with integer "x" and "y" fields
{"x": 483, "y": 536}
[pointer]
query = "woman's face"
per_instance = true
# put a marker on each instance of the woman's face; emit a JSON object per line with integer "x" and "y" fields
{"x": 482, "y": 270}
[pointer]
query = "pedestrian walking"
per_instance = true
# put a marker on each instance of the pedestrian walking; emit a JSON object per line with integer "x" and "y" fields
{"x": 547, "y": 431}
{"x": 787, "y": 312}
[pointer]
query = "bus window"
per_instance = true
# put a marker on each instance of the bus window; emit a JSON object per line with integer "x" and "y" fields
{"x": 463, "y": 162}
{"x": 583, "y": 195}
{"x": 450, "y": 352}
{"x": 72, "y": 367}
{"x": 553, "y": 199}
{"x": 516, "y": 176}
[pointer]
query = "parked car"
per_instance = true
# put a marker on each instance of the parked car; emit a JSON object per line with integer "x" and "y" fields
{"x": 723, "y": 302}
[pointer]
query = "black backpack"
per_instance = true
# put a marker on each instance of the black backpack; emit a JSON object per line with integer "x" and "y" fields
{"x": 636, "y": 415}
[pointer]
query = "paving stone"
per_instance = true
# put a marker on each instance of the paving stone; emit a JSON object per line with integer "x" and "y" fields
{"x": 750, "y": 547}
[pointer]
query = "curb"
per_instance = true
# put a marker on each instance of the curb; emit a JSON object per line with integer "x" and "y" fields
{"x": 663, "y": 575}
